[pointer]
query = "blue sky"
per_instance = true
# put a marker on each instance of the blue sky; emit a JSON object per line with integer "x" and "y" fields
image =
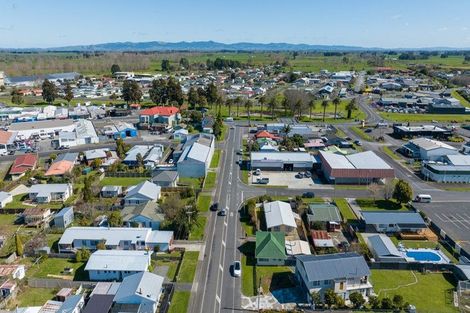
{"x": 368, "y": 23}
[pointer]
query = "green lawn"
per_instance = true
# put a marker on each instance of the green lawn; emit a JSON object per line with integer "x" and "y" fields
{"x": 188, "y": 267}
{"x": 197, "y": 233}
{"x": 403, "y": 117}
{"x": 431, "y": 293}
{"x": 462, "y": 100}
{"x": 204, "y": 202}
{"x": 18, "y": 202}
{"x": 209, "y": 182}
{"x": 35, "y": 296}
{"x": 346, "y": 211}
{"x": 391, "y": 153}
{"x": 190, "y": 181}
{"x": 179, "y": 302}
{"x": 171, "y": 267}
{"x": 360, "y": 132}
{"x": 53, "y": 268}
{"x": 380, "y": 205}
{"x": 249, "y": 229}
{"x": 122, "y": 181}
{"x": 216, "y": 158}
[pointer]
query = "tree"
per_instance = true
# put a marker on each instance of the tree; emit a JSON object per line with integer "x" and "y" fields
{"x": 180, "y": 216}
{"x": 87, "y": 193}
{"x": 218, "y": 126}
{"x": 374, "y": 189}
{"x": 298, "y": 108}
{"x": 316, "y": 299}
{"x": 331, "y": 298}
{"x": 311, "y": 107}
{"x": 374, "y": 302}
{"x": 131, "y": 91}
{"x": 389, "y": 187}
{"x": 351, "y": 106}
{"x": 212, "y": 93}
{"x": 238, "y": 101}
{"x": 229, "y": 104}
{"x": 398, "y": 301}
{"x": 272, "y": 106}
{"x": 165, "y": 65}
{"x": 286, "y": 130}
{"x": 16, "y": 97}
{"x": 193, "y": 97}
{"x": 68, "y": 93}
{"x": 402, "y": 192}
{"x": 159, "y": 92}
{"x": 115, "y": 219}
{"x": 336, "y": 102}
{"x": 101, "y": 246}
{"x": 121, "y": 148}
{"x": 82, "y": 255}
{"x": 19, "y": 245}
{"x": 115, "y": 68}
{"x": 184, "y": 63}
{"x": 324, "y": 105}
{"x": 174, "y": 91}
{"x": 248, "y": 106}
{"x": 96, "y": 164}
{"x": 49, "y": 91}
{"x": 262, "y": 101}
{"x": 386, "y": 303}
{"x": 357, "y": 299}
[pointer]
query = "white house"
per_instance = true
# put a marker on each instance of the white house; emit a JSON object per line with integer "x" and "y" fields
{"x": 15, "y": 271}
{"x": 5, "y": 198}
{"x": 108, "y": 265}
{"x": 196, "y": 155}
{"x": 84, "y": 133}
{"x": 142, "y": 193}
{"x": 45, "y": 193}
{"x": 279, "y": 216}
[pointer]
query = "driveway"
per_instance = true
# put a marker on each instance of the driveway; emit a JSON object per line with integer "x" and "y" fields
{"x": 289, "y": 180}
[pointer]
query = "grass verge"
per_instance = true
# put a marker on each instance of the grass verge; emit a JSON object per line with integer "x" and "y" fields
{"x": 216, "y": 158}
{"x": 209, "y": 182}
{"x": 204, "y": 202}
{"x": 345, "y": 209}
{"x": 188, "y": 267}
{"x": 179, "y": 302}
{"x": 197, "y": 233}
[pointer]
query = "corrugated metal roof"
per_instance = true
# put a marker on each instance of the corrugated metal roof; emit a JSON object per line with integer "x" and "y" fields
{"x": 278, "y": 213}
{"x": 118, "y": 260}
{"x": 283, "y": 156}
{"x": 145, "y": 285}
{"x": 367, "y": 160}
{"x": 381, "y": 217}
{"x": 383, "y": 246}
{"x": 146, "y": 189}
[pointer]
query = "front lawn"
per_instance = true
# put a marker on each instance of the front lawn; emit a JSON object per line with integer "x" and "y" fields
{"x": 391, "y": 153}
{"x": 431, "y": 292}
{"x": 380, "y": 205}
{"x": 249, "y": 228}
{"x": 34, "y": 296}
{"x": 204, "y": 202}
{"x": 122, "y": 181}
{"x": 54, "y": 267}
{"x": 179, "y": 302}
{"x": 188, "y": 267}
{"x": 209, "y": 182}
{"x": 190, "y": 181}
{"x": 197, "y": 233}
{"x": 346, "y": 211}
{"x": 216, "y": 158}
{"x": 421, "y": 118}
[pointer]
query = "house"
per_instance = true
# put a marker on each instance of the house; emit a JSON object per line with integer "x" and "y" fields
{"x": 114, "y": 238}
{"x": 64, "y": 218}
{"x": 279, "y": 217}
{"x": 7, "y": 141}
{"x": 342, "y": 272}
{"x": 60, "y": 168}
{"x": 321, "y": 239}
{"x": 131, "y": 155}
{"x": 111, "y": 191}
{"x": 180, "y": 134}
{"x": 140, "y": 292}
{"x": 154, "y": 156}
{"x": 270, "y": 248}
{"x": 115, "y": 265}
{"x": 168, "y": 116}
{"x": 165, "y": 178}
{"x": 194, "y": 160}
{"x": 383, "y": 249}
{"x": 5, "y": 198}
{"x": 427, "y": 149}
{"x": 359, "y": 168}
{"x": 142, "y": 193}
{"x": 282, "y": 161}
{"x": 207, "y": 124}
{"x": 45, "y": 193}
{"x": 22, "y": 164}
{"x": 296, "y": 247}
{"x": 325, "y": 214}
{"x": 266, "y": 134}
{"x": 73, "y": 304}
{"x": 143, "y": 215}
{"x": 36, "y": 216}
{"x": 450, "y": 169}
{"x": 14, "y": 271}
{"x": 100, "y": 154}
{"x": 7, "y": 288}
{"x": 393, "y": 222}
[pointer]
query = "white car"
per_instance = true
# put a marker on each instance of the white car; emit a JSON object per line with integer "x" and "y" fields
{"x": 237, "y": 269}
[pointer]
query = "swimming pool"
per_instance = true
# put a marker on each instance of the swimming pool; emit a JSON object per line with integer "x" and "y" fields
{"x": 424, "y": 255}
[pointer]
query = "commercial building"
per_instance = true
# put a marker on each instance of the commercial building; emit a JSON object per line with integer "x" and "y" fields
{"x": 430, "y": 131}
{"x": 427, "y": 149}
{"x": 446, "y": 106}
{"x": 25, "y": 130}
{"x": 115, "y": 265}
{"x": 449, "y": 169}
{"x": 195, "y": 158}
{"x": 114, "y": 238}
{"x": 282, "y": 161}
{"x": 393, "y": 222}
{"x": 84, "y": 133}
{"x": 360, "y": 168}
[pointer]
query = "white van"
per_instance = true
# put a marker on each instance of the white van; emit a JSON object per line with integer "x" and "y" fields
{"x": 423, "y": 198}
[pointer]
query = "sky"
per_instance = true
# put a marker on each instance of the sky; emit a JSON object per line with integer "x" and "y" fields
{"x": 366, "y": 23}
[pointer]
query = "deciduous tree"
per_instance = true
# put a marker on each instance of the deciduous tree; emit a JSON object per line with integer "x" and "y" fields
{"x": 49, "y": 91}
{"x": 402, "y": 192}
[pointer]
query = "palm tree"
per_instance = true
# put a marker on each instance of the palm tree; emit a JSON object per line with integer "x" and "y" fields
{"x": 238, "y": 100}
{"x": 336, "y": 101}
{"x": 262, "y": 101}
{"x": 229, "y": 103}
{"x": 311, "y": 106}
{"x": 324, "y": 105}
{"x": 351, "y": 106}
{"x": 272, "y": 106}
{"x": 286, "y": 130}
{"x": 248, "y": 106}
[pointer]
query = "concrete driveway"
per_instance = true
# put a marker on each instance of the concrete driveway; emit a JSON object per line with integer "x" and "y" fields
{"x": 287, "y": 179}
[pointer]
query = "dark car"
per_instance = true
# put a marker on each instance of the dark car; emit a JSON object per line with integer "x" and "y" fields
{"x": 368, "y": 130}
{"x": 308, "y": 194}
{"x": 214, "y": 206}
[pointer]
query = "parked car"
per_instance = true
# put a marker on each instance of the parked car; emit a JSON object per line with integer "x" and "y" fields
{"x": 257, "y": 172}
{"x": 308, "y": 174}
{"x": 237, "y": 269}
{"x": 358, "y": 143}
{"x": 308, "y": 194}
{"x": 299, "y": 175}
{"x": 262, "y": 181}
{"x": 368, "y": 130}
{"x": 214, "y": 206}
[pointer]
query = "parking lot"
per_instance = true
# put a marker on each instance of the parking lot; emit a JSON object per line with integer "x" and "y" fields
{"x": 288, "y": 179}
{"x": 453, "y": 218}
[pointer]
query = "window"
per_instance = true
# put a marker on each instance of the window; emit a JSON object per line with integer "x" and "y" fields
{"x": 316, "y": 283}
{"x": 326, "y": 282}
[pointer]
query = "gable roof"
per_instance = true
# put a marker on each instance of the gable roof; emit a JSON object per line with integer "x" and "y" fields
{"x": 278, "y": 213}
{"x": 59, "y": 168}
{"x": 149, "y": 209}
{"x": 334, "y": 266}
{"x": 146, "y": 189}
{"x": 160, "y": 110}
{"x": 265, "y": 134}
{"x": 23, "y": 163}
{"x": 270, "y": 245}
{"x": 383, "y": 245}
{"x": 404, "y": 218}
{"x": 323, "y": 212}
{"x": 144, "y": 285}
{"x": 165, "y": 176}
{"x": 118, "y": 260}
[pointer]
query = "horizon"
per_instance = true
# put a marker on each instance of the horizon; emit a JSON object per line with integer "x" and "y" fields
{"x": 365, "y": 23}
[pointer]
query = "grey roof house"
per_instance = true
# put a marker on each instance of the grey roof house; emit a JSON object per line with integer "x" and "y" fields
{"x": 383, "y": 249}
{"x": 45, "y": 193}
{"x": 111, "y": 191}
{"x": 393, "y": 222}
{"x": 64, "y": 218}
{"x": 142, "y": 193}
{"x": 324, "y": 213}
{"x": 143, "y": 215}
{"x": 165, "y": 178}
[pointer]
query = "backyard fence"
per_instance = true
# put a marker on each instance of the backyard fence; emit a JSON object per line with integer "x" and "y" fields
{"x": 128, "y": 174}
{"x": 59, "y": 283}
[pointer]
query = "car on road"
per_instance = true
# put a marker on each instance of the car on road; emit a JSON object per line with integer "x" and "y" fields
{"x": 357, "y": 143}
{"x": 368, "y": 130}
{"x": 240, "y": 152}
{"x": 308, "y": 194}
{"x": 214, "y": 206}
{"x": 222, "y": 212}
{"x": 237, "y": 269}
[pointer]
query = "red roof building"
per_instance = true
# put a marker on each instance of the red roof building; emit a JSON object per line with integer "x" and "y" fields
{"x": 265, "y": 134}
{"x": 23, "y": 163}
{"x": 160, "y": 110}
{"x": 160, "y": 115}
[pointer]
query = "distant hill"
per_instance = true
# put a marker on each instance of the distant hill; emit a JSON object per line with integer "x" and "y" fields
{"x": 218, "y": 46}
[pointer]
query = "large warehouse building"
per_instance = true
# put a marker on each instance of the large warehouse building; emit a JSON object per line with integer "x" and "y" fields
{"x": 359, "y": 168}
{"x": 282, "y": 161}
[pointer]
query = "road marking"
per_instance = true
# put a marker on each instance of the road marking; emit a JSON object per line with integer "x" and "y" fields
{"x": 221, "y": 268}
{"x": 223, "y": 243}
{"x": 217, "y": 298}
{"x": 225, "y": 223}
{"x": 231, "y": 214}
{"x": 229, "y": 182}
